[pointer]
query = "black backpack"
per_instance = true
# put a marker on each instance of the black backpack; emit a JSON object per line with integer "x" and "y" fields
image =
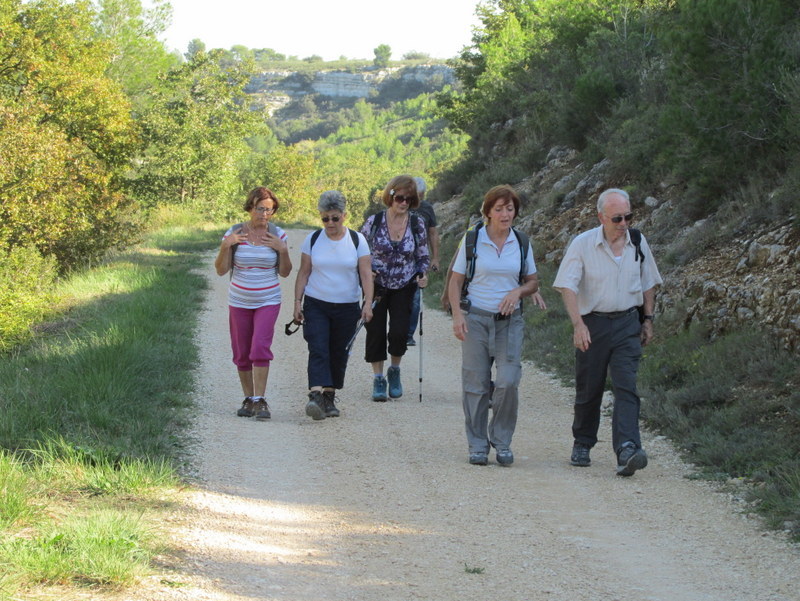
{"x": 315, "y": 235}
{"x": 636, "y": 240}
{"x": 470, "y": 240}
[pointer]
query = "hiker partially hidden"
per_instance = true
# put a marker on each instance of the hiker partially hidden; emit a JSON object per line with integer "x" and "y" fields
{"x": 492, "y": 272}
{"x": 256, "y": 254}
{"x": 334, "y": 266}
{"x": 607, "y": 275}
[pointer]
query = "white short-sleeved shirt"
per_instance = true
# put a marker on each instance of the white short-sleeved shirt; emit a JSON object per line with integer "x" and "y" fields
{"x": 254, "y": 282}
{"x": 602, "y": 281}
{"x": 496, "y": 271}
{"x": 334, "y": 267}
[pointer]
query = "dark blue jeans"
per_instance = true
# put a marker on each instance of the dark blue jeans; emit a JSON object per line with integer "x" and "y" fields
{"x": 327, "y": 328}
{"x": 615, "y": 350}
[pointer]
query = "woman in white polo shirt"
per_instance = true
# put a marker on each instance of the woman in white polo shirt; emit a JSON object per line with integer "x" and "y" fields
{"x": 489, "y": 323}
{"x": 335, "y": 265}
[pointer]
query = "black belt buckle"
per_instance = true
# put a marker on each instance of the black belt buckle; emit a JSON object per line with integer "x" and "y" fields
{"x": 501, "y": 317}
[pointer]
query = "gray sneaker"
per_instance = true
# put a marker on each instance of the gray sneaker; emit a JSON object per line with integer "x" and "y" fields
{"x": 479, "y": 458}
{"x": 395, "y": 387}
{"x": 580, "y": 455}
{"x": 630, "y": 459}
{"x": 314, "y": 407}
{"x": 379, "y": 394}
{"x": 504, "y": 457}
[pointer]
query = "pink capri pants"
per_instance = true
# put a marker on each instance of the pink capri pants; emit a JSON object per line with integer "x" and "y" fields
{"x": 252, "y": 331}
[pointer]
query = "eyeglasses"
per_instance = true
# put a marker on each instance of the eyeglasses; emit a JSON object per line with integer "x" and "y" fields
{"x": 335, "y": 219}
{"x": 267, "y": 210}
{"x": 400, "y": 198}
{"x": 619, "y": 218}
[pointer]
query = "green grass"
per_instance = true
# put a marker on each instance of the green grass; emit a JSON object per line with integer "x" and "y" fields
{"x": 93, "y": 417}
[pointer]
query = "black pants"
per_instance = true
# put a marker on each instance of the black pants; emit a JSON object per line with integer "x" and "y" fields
{"x": 615, "y": 349}
{"x": 394, "y": 308}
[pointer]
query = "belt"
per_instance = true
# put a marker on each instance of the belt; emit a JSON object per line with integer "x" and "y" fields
{"x": 613, "y": 314}
{"x": 495, "y": 316}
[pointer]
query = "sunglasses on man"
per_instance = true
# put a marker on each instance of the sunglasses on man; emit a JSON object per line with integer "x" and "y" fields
{"x": 619, "y": 218}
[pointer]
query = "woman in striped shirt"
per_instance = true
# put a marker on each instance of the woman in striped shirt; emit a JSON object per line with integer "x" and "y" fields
{"x": 256, "y": 253}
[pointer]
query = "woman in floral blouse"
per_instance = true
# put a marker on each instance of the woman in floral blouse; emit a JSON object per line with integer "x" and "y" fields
{"x": 400, "y": 263}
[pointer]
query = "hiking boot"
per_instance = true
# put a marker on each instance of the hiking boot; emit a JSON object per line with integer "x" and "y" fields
{"x": 411, "y": 342}
{"x": 261, "y": 409}
{"x": 479, "y": 458}
{"x": 329, "y": 406}
{"x": 630, "y": 459}
{"x": 580, "y": 455}
{"x": 246, "y": 410}
{"x": 504, "y": 457}
{"x": 314, "y": 407}
{"x": 379, "y": 390}
{"x": 395, "y": 387}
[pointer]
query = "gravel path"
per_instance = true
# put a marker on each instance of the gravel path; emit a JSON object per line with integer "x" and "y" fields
{"x": 381, "y": 504}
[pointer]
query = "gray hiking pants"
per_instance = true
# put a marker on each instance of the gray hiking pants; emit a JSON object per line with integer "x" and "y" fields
{"x": 499, "y": 342}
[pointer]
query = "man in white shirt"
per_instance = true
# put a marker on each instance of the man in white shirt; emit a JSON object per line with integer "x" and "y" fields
{"x": 603, "y": 279}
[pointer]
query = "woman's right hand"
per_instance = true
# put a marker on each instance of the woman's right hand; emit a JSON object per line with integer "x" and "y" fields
{"x": 459, "y": 325}
{"x": 236, "y": 237}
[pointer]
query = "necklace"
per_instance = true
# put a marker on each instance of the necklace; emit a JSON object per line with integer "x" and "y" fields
{"x": 396, "y": 227}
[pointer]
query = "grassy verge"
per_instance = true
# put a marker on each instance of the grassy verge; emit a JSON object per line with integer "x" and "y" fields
{"x": 92, "y": 414}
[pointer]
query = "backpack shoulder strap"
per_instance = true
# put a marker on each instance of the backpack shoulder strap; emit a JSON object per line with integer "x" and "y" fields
{"x": 376, "y": 223}
{"x": 470, "y": 242}
{"x": 235, "y": 246}
{"x": 353, "y": 237}
{"x": 314, "y": 237}
{"x": 414, "y": 220}
{"x": 524, "y": 242}
{"x": 273, "y": 229}
{"x": 636, "y": 239}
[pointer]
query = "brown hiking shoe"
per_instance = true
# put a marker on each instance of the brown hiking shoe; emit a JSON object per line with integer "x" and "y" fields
{"x": 262, "y": 409}
{"x": 246, "y": 410}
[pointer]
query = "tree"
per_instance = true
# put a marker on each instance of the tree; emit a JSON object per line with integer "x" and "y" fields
{"x": 195, "y": 135}
{"x": 195, "y": 48}
{"x": 382, "y": 55}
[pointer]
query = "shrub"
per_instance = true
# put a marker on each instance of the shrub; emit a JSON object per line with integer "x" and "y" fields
{"x": 26, "y": 293}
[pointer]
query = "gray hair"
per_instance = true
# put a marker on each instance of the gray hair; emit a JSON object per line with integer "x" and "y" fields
{"x": 331, "y": 200}
{"x": 421, "y": 187}
{"x": 601, "y": 200}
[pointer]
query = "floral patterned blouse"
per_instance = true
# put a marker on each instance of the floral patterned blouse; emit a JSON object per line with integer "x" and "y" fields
{"x": 396, "y": 263}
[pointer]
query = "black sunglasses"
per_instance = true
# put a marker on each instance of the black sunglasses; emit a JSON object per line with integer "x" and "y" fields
{"x": 619, "y": 218}
{"x": 400, "y": 198}
{"x": 335, "y": 219}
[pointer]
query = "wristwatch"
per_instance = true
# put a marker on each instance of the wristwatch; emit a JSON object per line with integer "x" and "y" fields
{"x": 650, "y": 317}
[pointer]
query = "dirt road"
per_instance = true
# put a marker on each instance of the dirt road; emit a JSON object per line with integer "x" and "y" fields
{"x": 381, "y": 504}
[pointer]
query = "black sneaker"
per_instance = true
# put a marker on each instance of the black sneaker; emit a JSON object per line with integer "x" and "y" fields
{"x": 246, "y": 410}
{"x": 580, "y": 455}
{"x": 630, "y": 459}
{"x": 329, "y": 405}
{"x": 314, "y": 407}
{"x": 261, "y": 409}
{"x": 504, "y": 457}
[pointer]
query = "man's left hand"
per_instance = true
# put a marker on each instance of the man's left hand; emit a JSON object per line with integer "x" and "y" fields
{"x": 647, "y": 332}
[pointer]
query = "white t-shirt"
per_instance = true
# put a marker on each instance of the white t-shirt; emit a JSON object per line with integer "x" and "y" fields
{"x": 254, "y": 282}
{"x": 496, "y": 273}
{"x": 334, "y": 267}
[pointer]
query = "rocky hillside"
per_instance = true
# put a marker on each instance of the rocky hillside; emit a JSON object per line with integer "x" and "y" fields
{"x": 751, "y": 277}
{"x": 274, "y": 89}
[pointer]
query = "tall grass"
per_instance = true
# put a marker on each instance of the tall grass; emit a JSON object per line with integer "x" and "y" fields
{"x": 93, "y": 414}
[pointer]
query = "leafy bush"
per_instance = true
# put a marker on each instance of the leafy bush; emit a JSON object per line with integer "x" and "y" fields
{"x": 27, "y": 284}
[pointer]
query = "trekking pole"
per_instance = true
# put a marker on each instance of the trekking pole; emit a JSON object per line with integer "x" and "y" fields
{"x": 421, "y": 311}
{"x": 349, "y": 347}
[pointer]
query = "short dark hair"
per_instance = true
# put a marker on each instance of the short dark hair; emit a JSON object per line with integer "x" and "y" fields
{"x": 492, "y": 196}
{"x": 256, "y": 195}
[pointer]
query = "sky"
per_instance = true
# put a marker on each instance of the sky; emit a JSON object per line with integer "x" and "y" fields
{"x": 328, "y": 28}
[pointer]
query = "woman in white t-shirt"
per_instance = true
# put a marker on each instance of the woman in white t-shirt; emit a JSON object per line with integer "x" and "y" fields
{"x": 489, "y": 323}
{"x": 335, "y": 265}
{"x": 257, "y": 254}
